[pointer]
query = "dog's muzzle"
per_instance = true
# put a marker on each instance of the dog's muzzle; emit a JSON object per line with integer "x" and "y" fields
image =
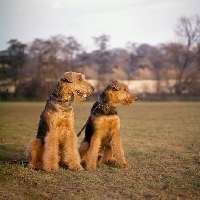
{"x": 83, "y": 96}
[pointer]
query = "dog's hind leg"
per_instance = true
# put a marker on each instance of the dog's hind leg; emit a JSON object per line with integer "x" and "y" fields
{"x": 34, "y": 153}
{"x": 84, "y": 146}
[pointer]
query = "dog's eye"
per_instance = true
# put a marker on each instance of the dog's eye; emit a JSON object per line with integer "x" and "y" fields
{"x": 80, "y": 78}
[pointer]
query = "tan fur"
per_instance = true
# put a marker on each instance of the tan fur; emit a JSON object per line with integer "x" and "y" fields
{"x": 56, "y": 141}
{"x": 102, "y": 135}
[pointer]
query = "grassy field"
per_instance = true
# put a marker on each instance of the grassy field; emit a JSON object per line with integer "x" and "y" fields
{"x": 161, "y": 143}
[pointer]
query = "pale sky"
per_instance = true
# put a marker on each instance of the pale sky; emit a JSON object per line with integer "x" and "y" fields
{"x": 137, "y": 21}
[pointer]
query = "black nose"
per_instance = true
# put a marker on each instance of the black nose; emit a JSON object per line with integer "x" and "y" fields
{"x": 93, "y": 88}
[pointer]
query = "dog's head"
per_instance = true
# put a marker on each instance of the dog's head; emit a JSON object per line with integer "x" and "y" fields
{"x": 75, "y": 84}
{"x": 119, "y": 92}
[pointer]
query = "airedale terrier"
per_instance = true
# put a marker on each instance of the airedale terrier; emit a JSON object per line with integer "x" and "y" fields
{"x": 56, "y": 141}
{"x": 102, "y": 133}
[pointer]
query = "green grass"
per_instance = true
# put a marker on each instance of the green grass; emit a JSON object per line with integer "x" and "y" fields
{"x": 161, "y": 143}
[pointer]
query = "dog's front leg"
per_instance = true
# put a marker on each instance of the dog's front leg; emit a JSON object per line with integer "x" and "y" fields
{"x": 84, "y": 146}
{"x": 69, "y": 153}
{"x": 51, "y": 158}
{"x": 92, "y": 154}
{"x": 118, "y": 151}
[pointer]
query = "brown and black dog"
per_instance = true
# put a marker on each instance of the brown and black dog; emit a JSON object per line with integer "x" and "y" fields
{"x": 102, "y": 133}
{"x": 56, "y": 142}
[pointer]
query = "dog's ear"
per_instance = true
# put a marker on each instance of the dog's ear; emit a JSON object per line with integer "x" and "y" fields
{"x": 115, "y": 84}
{"x": 67, "y": 76}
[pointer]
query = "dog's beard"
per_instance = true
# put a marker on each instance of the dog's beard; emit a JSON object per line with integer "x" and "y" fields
{"x": 79, "y": 97}
{"x": 126, "y": 102}
{"x": 78, "y": 100}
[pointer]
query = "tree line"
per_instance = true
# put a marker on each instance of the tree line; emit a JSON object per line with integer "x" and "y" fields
{"x": 33, "y": 69}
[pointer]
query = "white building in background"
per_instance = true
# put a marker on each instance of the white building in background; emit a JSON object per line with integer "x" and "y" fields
{"x": 142, "y": 81}
{"x": 7, "y": 86}
{"x": 145, "y": 86}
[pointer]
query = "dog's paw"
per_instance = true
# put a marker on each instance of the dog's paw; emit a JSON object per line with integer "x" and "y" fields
{"x": 120, "y": 164}
{"x": 34, "y": 166}
{"x": 76, "y": 168}
{"x": 125, "y": 165}
{"x": 90, "y": 168}
{"x": 50, "y": 169}
{"x": 31, "y": 166}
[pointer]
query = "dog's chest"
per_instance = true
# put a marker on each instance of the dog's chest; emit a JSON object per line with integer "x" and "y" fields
{"x": 107, "y": 125}
{"x": 106, "y": 140}
{"x": 64, "y": 123}
{"x": 64, "y": 130}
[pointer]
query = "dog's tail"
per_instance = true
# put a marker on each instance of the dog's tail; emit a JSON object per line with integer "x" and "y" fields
{"x": 83, "y": 127}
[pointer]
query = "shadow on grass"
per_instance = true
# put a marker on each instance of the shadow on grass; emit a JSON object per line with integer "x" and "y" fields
{"x": 11, "y": 155}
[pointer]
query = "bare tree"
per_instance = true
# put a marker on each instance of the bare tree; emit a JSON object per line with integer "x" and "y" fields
{"x": 13, "y": 61}
{"x": 70, "y": 49}
{"x": 133, "y": 57}
{"x": 180, "y": 55}
{"x": 157, "y": 63}
{"x": 102, "y": 58}
{"x": 42, "y": 68}
{"x": 102, "y": 43}
{"x": 49, "y": 58}
{"x": 188, "y": 30}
